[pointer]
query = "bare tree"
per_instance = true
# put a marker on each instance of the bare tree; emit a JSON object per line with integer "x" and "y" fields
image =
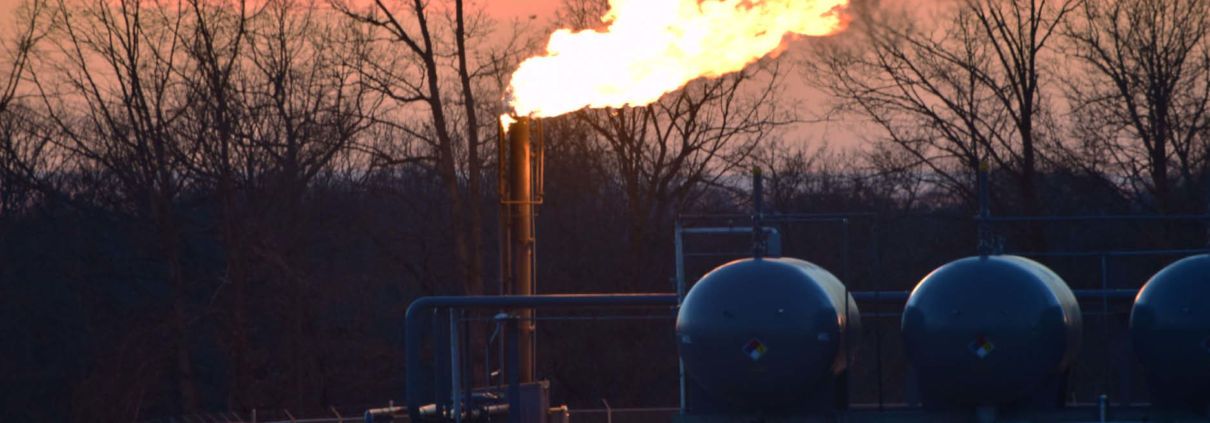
{"x": 31, "y": 27}
{"x": 437, "y": 60}
{"x": 967, "y": 90}
{"x": 28, "y": 161}
{"x": 282, "y": 106}
{"x": 216, "y": 131}
{"x": 1019, "y": 30}
{"x": 109, "y": 85}
{"x": 666, "y": 153}
{"x": 1142, "y": 93}
{"x": 24, "y": 137}
{"x": 801, "y": 178}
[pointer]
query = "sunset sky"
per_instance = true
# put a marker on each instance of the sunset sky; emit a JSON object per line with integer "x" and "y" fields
{"x": 543, "y": 11}
{"x": 517, "y": 8}
{"x": 6, "y": 13}
{"x": 500, "y": 8}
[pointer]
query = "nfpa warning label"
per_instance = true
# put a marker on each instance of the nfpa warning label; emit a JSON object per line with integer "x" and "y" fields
{"x": 754, "y": 349}
{"x": 981, "y": 347}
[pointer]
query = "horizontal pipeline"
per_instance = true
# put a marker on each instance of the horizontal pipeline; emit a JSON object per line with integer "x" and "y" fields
{"x": 1093, "y": 218}
{"x": 1081, "y": 294}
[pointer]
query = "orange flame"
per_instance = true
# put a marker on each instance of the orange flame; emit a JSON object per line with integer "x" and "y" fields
{"x": 652, "y": 47}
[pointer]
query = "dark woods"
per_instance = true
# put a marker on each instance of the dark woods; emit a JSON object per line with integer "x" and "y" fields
{"x": 219, "y": 206}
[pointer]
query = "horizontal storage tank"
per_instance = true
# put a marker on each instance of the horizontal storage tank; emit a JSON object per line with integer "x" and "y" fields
{"x": 1170, "y": 324}
{"x": 991, "y": 331}
{"x": 764, "y": 334}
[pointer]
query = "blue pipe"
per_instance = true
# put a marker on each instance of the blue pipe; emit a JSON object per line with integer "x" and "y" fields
{"x": 1083, "y": 294}
{"x": 1097, "y": 218}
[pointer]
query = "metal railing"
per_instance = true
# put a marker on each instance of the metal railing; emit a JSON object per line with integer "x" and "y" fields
{"x": 458, "y": 395}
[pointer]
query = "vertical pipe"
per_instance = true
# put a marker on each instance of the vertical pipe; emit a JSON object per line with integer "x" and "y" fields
{"x": 520, "y": 201}
{"x": 441, "y": 363}
{"x": 1206, "y": 186}
{"x": 876, "y": 260}
{"x": 843, "y": 388}
{"x": 1104, "y": 286}
{"x": 487, "y": 357}
{"x": 536, "y": 164}
{"x": 984, "y": 228}
{"x": 503, "y": 212}
{"x": 468, "y": 363}
{"x": 455, "y": 368}
{"x": 844, "y": 257}
{"x": 985, "y": 414}
{"x": 772, "y": 242}
{"x": 758, "y": 245}
{"x": 984, "y": 194}
{"x": 514, "y": 378}
{"x": 1103, "y": 405}
{"x": 1105, "y": 321}
{"x": 678, "y": 242}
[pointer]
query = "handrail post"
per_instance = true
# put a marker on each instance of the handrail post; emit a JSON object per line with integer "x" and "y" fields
{"x": 679, "y": 244}
{"x": 984, "y": 225}
{"x": 514, "y": 377}
{"x": 758, "y": 233}
{"x": 455, "y": 368}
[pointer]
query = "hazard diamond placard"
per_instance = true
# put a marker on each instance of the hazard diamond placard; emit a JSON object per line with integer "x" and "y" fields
{"x": 754, "y": 349}
{"x": 981, "y": 347}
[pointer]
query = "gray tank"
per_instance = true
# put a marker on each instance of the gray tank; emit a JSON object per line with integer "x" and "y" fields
{"x": 763, "y": 334}
{"x": 995, "y": 330}
{"x": 1170, "y": 324}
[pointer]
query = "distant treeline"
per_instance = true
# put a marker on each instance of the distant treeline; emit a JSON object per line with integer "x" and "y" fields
{"x": 211, "y": 206}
